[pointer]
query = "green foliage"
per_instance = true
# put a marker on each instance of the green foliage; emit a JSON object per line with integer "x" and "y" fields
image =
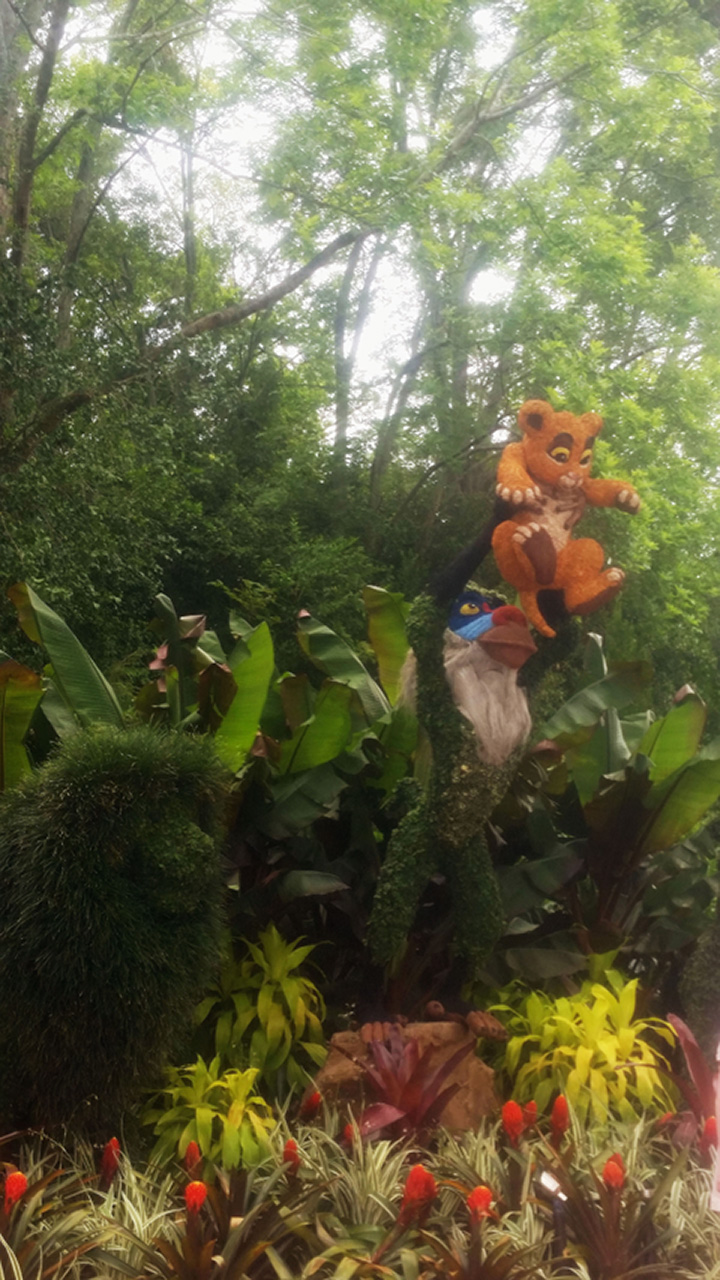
{"x": 263, "y": 1012}
{"x": 606, "y": 825}
{"x": 109, "y": 921}
{"x": 589, "y": 1046}
{"x": 216, "y": 1109}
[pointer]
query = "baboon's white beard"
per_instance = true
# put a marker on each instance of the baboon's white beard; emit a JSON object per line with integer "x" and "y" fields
{"x": 485, "y": 691}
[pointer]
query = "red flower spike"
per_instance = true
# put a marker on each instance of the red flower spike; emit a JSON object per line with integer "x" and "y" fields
{"x": 420, "y": 1191}
{"x": 348, "y": 1135}
{"x": 291, "y": 1156}
{"x": 110, "y": 1163}
{"x": 513, "y": 1121}
{"x": 613, "y": 1175}
{"x": 478, "y": 1203}
{"x": 15, "y": 1187}
{"x": 530, "y": 1114}
{"x": 192, "y": 1157}
{"x": 559, "y": 1117}
{"x": 310, "y": 1106}
{"x": 195, "y": 1196}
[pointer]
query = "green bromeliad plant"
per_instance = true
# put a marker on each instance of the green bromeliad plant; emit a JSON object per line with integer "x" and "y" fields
{"x": 265, "y": 1014}
{"x": 217, "y": 1109}
{"x": 589, "y": 1046}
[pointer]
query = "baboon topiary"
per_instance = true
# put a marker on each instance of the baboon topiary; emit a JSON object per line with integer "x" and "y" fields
{"x": 110, "y": 911}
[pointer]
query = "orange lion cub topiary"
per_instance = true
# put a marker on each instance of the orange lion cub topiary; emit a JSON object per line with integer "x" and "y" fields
{"x": 546, "y": 478}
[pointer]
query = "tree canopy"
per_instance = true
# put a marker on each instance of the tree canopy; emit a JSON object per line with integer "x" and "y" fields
{"x": 275, "y": 279}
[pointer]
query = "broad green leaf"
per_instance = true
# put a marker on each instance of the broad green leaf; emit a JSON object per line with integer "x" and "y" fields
{"x": 398, "y": 733}
{"x": 681, "y": 800}
{"x": 324, "y": 735}
{"x": 252, "y": 663}
{"x": 387, "y": 612}
{"x": 20, "y": 692}
{"x": 529, "y": 884}
{"x": 298, "y": 699}
{"x": 328, "y": 652}
{"x": 673, "y": 740}
{"x": 617, "y": 689}
{"x": 542, "y": 962}
{"x": 307, "y": 884}
{"x": 76, "y": 677}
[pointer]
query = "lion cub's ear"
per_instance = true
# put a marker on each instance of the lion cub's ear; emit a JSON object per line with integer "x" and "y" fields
{"x": 592, "y": 422}
{"x": 534, "y": 415}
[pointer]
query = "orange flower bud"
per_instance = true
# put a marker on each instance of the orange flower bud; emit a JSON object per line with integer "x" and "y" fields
{"x": 478, "y": 1203}
{"x": 513, "y": 1121}
{"x": 110, "y": 1163}
{"x": 192, "y": 1156}
{"x": 560, "y": 1116}
{"x": 195, "y": 1196}
{"x": 15, "y": 1187}
{"x": 613, "y": 1175}
{"x": 310, "y": 1106}
{"x": 420, "y": 1191}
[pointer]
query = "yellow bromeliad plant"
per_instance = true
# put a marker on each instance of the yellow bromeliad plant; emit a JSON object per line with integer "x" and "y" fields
{"x": 589, "y": 1046}
{"x": 216, "y": 1109}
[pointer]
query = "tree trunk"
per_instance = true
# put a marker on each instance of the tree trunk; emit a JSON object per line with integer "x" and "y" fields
{"x": 17, "y": 34}
{"x": 28, "y": 137}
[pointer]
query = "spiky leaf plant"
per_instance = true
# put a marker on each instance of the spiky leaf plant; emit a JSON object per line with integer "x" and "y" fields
{"x": 109, "y": 920}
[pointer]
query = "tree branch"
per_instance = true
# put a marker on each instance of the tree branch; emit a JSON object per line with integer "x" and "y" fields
{"x": 54, "y": 412}
{"x": 41, "y": 156}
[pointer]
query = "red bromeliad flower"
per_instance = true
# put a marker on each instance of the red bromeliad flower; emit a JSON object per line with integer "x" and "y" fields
{"x": 195, "y": 1196}
{"x": 513, "y": 1121}
{"x": 559, "y": 1119}
{"x": 15, "y": 1187}
{"x": 420, "y": 1191}
{"x": 613, "y": 1175}
{"x": 310, "y": 1106}
{"x": 192, "y": 1157}
{"x": 110, "y": 1163}
{"x": 291, "y": 1156}
{"x": 478, "y": 1203}
{"x": 348, "y": 1135}
{"x": 530, "y": 1114}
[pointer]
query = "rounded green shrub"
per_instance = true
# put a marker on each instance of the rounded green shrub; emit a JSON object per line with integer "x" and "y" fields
{"x": 110, "y": 917}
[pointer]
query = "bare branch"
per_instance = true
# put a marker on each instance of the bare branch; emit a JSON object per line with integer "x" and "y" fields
{"x": 54, "y": 412}
{"x": 41, "y": 156}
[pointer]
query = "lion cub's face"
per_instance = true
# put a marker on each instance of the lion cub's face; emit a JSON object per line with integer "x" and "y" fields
{"x": 557, "y": 445}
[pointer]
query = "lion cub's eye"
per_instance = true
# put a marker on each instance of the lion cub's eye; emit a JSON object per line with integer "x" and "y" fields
{"x": 560, "y": 454}
{"x": 586, "y": 458}
{"x": 469, "y": 608}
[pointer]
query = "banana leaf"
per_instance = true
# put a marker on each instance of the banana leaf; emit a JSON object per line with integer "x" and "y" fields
{"x": 336, "y": 659}
{"x": 387, "y": 612}
{"x": 618, "y": 689}
{"x": 324, "y": 735}
{"x": 252, "y": 663}
{"x": 77, "y": 679}
{"x": 20, "y": 692}
{"x": 673, "y": 740}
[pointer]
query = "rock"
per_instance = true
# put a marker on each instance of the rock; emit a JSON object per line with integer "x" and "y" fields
{"x": 343, "y": 1081}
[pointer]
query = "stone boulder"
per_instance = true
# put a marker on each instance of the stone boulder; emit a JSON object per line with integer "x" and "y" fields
{"x": 343, "y": 1082}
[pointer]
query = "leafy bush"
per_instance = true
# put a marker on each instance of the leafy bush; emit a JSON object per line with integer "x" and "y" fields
{"x": 215, "y": 1109}
{"x": 589, "y": 1046}
{"x": 265, "y": 1014}
{"x": 109, "y": 920}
